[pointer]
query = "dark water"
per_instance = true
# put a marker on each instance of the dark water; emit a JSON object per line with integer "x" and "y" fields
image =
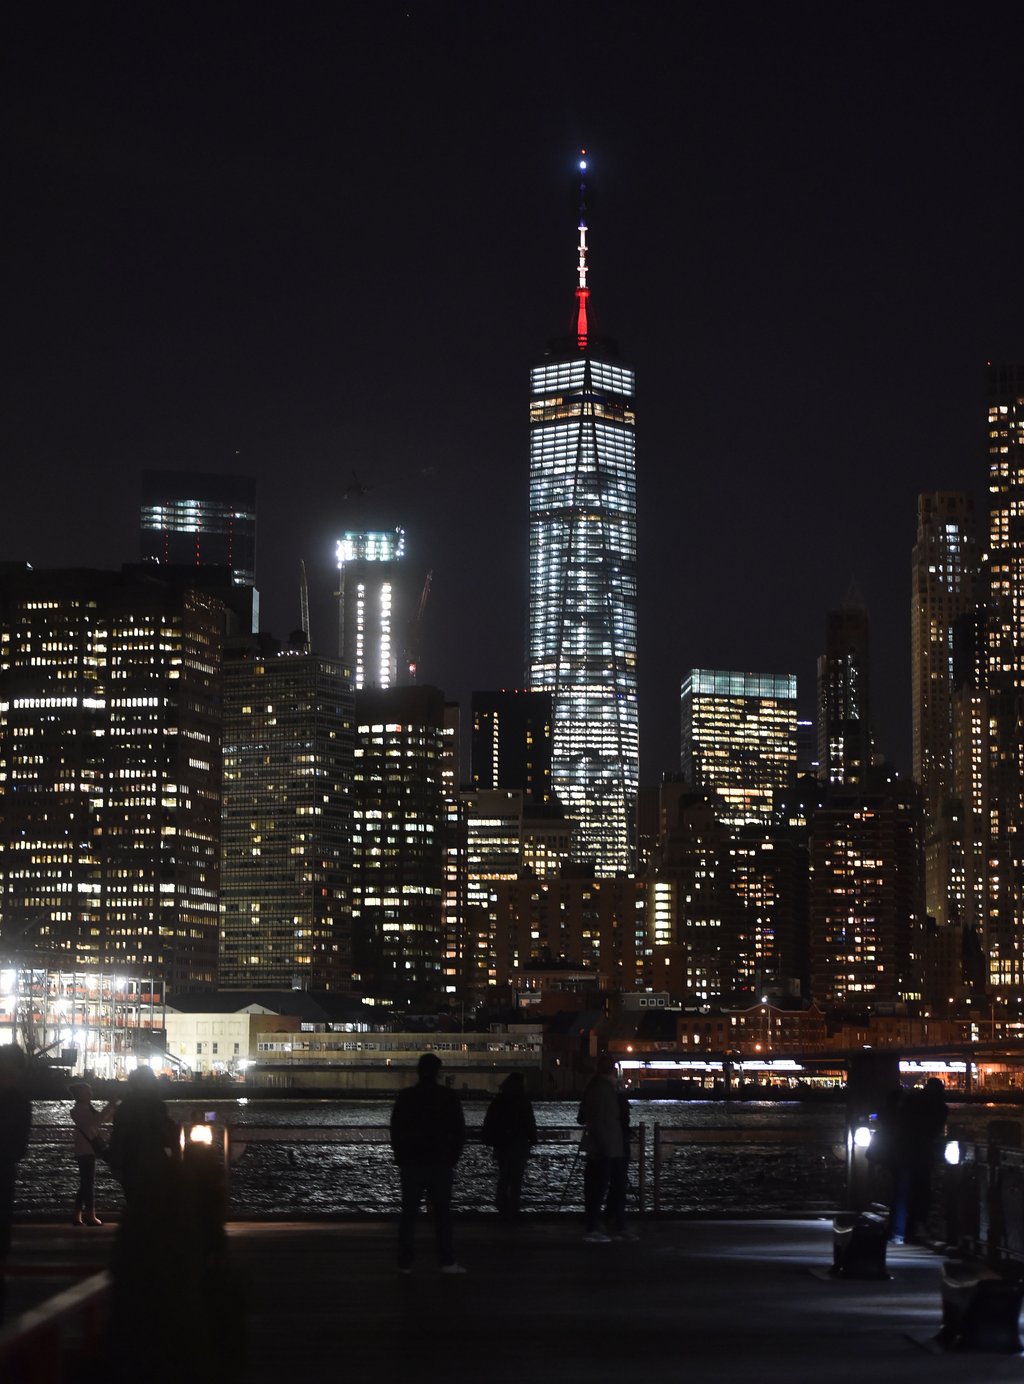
{"x": 752, "y": 1156}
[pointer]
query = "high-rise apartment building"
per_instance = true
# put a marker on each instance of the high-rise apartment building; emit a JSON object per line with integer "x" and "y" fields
{"x": 398, "y": 844}
{"x": 944, "y": 569}
{"x": 739, "y": 740}
{"x": 372, "y": 607}
{"x": 945, "y": 565}
{"x": 844, "y": 704}
{"x": 583, "y": 597}
{"x": 1004, "y": 678}
{"x": 198, "y": 519}
{"x": 867, "y": 897}
{"x": 286, "y": 825}
{"x": 110, "y": 770}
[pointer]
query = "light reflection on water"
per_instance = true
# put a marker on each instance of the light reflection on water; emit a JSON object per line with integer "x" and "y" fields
{"x": 746, "y": 1171}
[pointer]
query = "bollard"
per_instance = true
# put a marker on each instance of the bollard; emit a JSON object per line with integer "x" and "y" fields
{"x": 980, "y": 1309}
{"x": 859, "y": 1241}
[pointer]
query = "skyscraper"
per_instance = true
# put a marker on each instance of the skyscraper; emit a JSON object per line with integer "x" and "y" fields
{"x": 583, "y": 598}
{"x": 398, "y": 844}
{"x": 286, "y": 823}
{"x": 372, "y": 607}
{"x": 738, "y": 738}
{"x": 1004, "y": 676}
{"x": 867, "y": 897}
{"x": 844, "y": 707}
{"x": 943, "y": 593}
{"x": 110, "y": 770}
{"x": 198, "y": 519}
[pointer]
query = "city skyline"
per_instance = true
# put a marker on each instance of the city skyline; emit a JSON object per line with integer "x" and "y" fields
{"x": 214, "y": 274}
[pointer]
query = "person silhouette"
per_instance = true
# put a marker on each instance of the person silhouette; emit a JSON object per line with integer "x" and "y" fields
{"x": 510, "y": 1129}
{"x": 88, "y": 1142}
{"x": 428, "y": 1130}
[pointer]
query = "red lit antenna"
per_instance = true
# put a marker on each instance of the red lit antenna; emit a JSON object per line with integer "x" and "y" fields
{"x": 582, "y": 290}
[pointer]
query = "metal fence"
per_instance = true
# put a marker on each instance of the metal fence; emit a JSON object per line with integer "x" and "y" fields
{"x": 348, "y": 1171}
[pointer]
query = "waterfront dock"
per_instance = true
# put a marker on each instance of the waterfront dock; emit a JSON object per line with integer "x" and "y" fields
{"x": 702, "y": 1300}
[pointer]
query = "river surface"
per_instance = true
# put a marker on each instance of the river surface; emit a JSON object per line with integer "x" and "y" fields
{"x": 768, "y": 1156}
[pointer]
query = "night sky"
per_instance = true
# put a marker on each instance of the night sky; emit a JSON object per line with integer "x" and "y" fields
{"x": 323, "y": 244}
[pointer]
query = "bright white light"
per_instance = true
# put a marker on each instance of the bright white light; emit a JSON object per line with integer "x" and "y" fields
{"x": 583, "y": 165}
{"x": 862, "y": 1136}
{"x": 951, "y": 1153}
{"x": 201, "y": 1134}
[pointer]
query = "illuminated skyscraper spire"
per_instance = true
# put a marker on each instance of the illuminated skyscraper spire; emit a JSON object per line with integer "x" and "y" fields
{"x": 582, "y": 290}
{"x": 583, "y": 615}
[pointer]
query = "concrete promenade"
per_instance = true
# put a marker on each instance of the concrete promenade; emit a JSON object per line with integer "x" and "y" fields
{"x": 698, "y": 1300}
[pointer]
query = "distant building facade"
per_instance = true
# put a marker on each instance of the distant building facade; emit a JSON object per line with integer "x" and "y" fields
{"x": 867, "y": 898}
{"x": 511, "y": 745}
{"x": 944, "y": 570}
{"x": 373, "y": 607}
{"x": 110, "y": 770}
{"x": 844, "y": 698}
{"x": 199, "y": 519}
{"x": 398, "y": 844}
{"x": 286, "y": 839}
{"x": 738, "y": 740}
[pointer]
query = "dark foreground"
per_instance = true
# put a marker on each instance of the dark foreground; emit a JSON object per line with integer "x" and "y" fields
{"x": 691, "y": 1300}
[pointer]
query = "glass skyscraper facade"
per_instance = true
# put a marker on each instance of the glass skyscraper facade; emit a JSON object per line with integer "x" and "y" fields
{"x": 738, "y": 740}
{"x": 583, "y": 599}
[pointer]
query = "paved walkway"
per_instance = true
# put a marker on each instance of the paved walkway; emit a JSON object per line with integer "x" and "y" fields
{"x": 704, "y": 1301}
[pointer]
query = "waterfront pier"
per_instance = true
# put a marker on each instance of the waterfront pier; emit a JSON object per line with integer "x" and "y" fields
{"x": 703, "y": 1300}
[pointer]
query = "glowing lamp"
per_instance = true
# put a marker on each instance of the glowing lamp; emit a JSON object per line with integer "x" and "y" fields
{"x": 862, "y": 1137}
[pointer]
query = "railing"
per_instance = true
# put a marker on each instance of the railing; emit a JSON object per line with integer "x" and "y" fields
{"x": 347, "y": 1170}
{"x": 779, "y": 1168}
{"x": 982, "y": 1199}
{"x": 39, "y": 1346}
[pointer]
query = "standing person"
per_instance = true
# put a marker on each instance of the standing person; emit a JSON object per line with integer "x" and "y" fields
{"x": 600, "y": 1115}
{"x": 510, "y": 1129}
{"x": 428, "y": 1130}
{"x": 145, "y": 1145}
{"x": 15, "y": 1126}
{"x": 149, "y": 1264}
{"x": 618, "y": 1180}
{"x": 88, "y": 1142}
{"x": 924, "y": 1114}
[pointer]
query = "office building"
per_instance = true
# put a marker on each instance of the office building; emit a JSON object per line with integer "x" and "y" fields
{"x": 739, "y": 740}
{"x": 398, "y": 845}
{"x": 583, "y": 596}
{"x": 494, "y": 853}
{"x": 286, "y": 825}
{"x": 844, "y": 704}
{"x": 110, "y": 771}
{"x": 373, "y": 608}
{"x": 197, "y": 519}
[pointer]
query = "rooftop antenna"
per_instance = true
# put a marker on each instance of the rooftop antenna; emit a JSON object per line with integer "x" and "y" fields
{"x": 582, "y": 289}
